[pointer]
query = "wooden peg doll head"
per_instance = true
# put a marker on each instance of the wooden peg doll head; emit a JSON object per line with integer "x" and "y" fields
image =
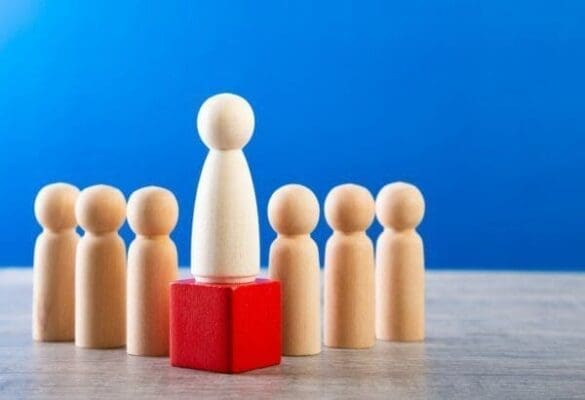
{"x": 100, "y": 209}
{"x": 152, "y": 211}
{"x": 293, "y": 210}
{"x": 400, "y": 206}
{"x": 55, "y": 206}
{"x": 349, "y": 208}
{"x": 225, "y": 122}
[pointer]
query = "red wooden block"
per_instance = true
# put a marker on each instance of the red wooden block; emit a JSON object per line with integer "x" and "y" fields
{"x": 225, "y": 328}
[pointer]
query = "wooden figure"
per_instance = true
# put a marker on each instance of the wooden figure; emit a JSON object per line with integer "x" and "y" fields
{"x": 152, "y": 265}
{"x": 54, "y": 264}
{"x": 349, "y": 269}
{"x": 100, "y": 270}
{"x": 400, "y": 275}
{"x": 293, "y": 212}
{"x": 225, "y": 242}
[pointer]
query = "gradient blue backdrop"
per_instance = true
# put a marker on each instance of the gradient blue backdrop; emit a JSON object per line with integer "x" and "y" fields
{"x": 480, "y": 103}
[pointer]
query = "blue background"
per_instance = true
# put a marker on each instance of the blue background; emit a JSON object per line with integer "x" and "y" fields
{"x": 479, "y": 103}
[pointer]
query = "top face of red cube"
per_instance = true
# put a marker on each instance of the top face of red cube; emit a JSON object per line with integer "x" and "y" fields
{"x": 224, "y": 286}
{"x": 225, "y": 327}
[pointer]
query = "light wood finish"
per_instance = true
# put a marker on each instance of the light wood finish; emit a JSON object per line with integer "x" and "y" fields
{"x": 489, "y": 336}
{"x": 152, "y": 265}
{"x": 400, "y": 270}
{"x": 54, "y": 264}
{"x": 348, "y": 315}
{"x": 293, "y": 212}
{"x": 225, "y": 241}
{"x": 100, "y": 269}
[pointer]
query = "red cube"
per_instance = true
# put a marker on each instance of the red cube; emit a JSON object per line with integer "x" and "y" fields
{"x": 225, "y": 328}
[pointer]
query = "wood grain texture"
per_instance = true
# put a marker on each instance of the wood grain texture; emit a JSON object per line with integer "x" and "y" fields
{"x": 489, "y": 335}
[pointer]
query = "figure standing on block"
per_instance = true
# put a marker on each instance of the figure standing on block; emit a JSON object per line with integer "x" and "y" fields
{"x": 100, "y": 270}
{"x": 225, "y": 242}
{"x": 54, "y": 264}
{"x": 400, "y": 275}
{"x": 152, "y": 265}
{"x": 349, "y": 269}
{"x": 293, "y": 212}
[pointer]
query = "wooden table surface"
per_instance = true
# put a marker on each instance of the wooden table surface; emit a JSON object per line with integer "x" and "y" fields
{"x": 490, "y": 335}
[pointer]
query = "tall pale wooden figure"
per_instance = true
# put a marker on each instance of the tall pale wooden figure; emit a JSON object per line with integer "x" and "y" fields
{"x": 293, "y": 212}
{"x": 100, "y": 274}
{"x": 54, "y": 264}
{"x": 225, "y": 241}
{"x": 400, "y": 275}
{"x": 349, "y": 269}
{"x": 152, "y": 266}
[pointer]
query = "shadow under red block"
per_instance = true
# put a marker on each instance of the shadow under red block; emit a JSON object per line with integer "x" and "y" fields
{"x": 225, "y": 328}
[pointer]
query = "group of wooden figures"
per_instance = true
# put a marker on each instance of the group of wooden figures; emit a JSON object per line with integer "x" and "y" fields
{"x": 361, "y": 301}
{"x": 89, "y": 290}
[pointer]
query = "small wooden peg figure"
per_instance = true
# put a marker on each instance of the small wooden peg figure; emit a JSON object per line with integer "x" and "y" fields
{"x": 293, "y": 212}
{"x": 152, "y": 266}
{"x": 54, "y": 264}
{"x": 100, "y": 270}
{"x": 400, "y": 276}
{"x": 349, "y": 269}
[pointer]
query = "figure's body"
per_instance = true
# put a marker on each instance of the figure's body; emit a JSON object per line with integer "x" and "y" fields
{"x": 293, "y": 212}
{"x": 225, "y": 241}
{"x": 349, "y": 269}
{"x": 54, "y": 264}
{"x": 100, "y": 275}
{"x": 400, "y": 300}
{"x": 152, "y": 266}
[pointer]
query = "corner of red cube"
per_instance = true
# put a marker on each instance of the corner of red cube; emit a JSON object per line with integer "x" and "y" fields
{"x": 225, "y": 328}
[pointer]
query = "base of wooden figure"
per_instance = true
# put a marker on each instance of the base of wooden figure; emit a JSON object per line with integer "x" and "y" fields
{"x": 226, "y": 328}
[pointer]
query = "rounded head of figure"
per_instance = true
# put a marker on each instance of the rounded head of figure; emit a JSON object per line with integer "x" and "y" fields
{"x": 225, "y": 122}
{"x": 349, "y": 208}
{"x": 400, "y": 206}
{"x": 100, "y": 209}
{"x": 152, "y": 211}
{"x": 55, "y": 206}
{"x": 293, "y": 210}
